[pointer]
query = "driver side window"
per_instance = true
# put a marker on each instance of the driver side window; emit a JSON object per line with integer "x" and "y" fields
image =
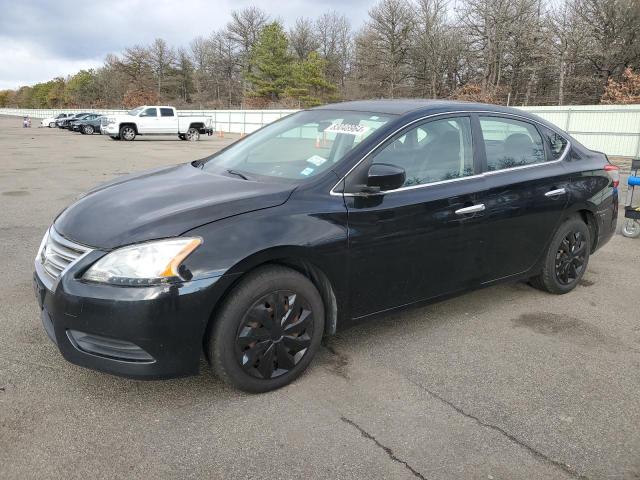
{"x": 149, "y": 112}
{"x": 431, "y": 152}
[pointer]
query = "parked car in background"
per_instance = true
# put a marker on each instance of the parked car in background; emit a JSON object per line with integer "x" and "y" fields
{"x": 156, "y": 120}
{"x": 77, "y": 125}
{"x": 259, "y": 250}
{"x": 51, "y": 121}
{"x": 64, "y": 122}
{"x": 89, "y": 127}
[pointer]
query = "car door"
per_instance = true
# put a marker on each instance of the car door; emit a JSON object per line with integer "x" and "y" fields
{"x": 426, "y": 238}
{"x": 168, "y": 121}
{"x": 148, "y": 121}
{"x": 527, "y": 192}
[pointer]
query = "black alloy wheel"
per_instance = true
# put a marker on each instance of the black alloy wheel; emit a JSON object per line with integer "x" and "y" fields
{"x": 566, "y": 258}
{"x": 275, "y": 334}
{"x": 570, "y": 258}
{"x": 267, "y": 330}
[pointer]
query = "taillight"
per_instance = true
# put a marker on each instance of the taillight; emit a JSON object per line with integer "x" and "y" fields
{"x": 614, "y": 173}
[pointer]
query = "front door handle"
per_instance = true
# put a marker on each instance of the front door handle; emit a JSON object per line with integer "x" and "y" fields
{"x": 555, "y": 193}
{"x": 471, "y": 209}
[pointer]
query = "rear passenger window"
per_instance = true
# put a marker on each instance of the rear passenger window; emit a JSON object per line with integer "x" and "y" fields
{"x": 510, "y": 143}
{"x": 557, "y": 143}
{"x": 166, "y": 112}
{"x": 432, "y": 152}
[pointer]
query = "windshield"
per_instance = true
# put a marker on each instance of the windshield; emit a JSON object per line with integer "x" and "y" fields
{"x": 299, "y": 146}
{"x": 135, "y": 111}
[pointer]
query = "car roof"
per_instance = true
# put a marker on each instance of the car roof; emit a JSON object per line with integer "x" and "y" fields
{"x": 413, "y": 105}
{"x": 417, "y": 107}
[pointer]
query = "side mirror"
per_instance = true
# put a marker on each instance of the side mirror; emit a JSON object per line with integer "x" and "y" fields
{"x": 383, "y": 176}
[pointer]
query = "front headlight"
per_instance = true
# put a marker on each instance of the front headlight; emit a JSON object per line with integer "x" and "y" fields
{"x": 42, "y": 250}
{"x": 143, "y": 264}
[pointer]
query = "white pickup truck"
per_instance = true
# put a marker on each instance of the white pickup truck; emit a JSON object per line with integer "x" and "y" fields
{"x": 155, "y": 120}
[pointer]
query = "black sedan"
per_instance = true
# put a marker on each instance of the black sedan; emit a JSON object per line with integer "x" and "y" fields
{"x": 87, "y": 125}
{"x": 327, "y": 217}
{"x": 65, "y": 122}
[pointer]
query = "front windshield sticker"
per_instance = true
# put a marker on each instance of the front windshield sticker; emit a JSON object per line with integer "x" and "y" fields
{"x": 317, "y": 160}
{"x": 348, "y": 128}
{"x": 307, "y": 171}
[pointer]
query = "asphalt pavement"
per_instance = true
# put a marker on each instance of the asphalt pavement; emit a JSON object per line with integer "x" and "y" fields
{"x": 503, "y": 383}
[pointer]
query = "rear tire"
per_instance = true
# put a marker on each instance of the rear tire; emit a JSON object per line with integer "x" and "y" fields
{"x": 631, "y": 228}
{"x": 52, "y": 124}
{"x": 566, "y": 258}
{"x": 193, "y": 134}
{"x": 267, "y": 330}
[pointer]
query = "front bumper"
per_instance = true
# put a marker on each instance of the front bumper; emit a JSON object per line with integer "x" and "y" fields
{"x": 109, "y": 129}
{"x": 137, "y": 332}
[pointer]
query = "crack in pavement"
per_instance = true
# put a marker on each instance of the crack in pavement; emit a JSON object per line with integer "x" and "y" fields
{"x": 386, "y": 449}
{"x": 563, "y": 466}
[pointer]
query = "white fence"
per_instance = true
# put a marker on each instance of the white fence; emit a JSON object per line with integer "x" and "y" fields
{"x": 233, "y": 121}
{"x": 613, "y": 129}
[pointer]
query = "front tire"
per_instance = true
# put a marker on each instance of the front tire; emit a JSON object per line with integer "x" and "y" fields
{"x": 127, "y": 133}
{"x": 267, "y": 330}
{"x": 566, "y": 258}
{"x": 631, "y": 228}
{"x": 52, "y": 124}
{"x": 87, "y": 129}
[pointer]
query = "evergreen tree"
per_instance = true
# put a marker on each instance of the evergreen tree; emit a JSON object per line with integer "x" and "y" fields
{"x": 308, "y": 82}
{"x": 271, "y": 63}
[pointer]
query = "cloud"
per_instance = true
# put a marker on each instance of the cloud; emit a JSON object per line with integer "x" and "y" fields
{"x": 40, "y": 39}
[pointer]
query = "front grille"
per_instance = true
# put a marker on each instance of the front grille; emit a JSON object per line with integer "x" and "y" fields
{"x": 59, "y": 253}
{"x": 104, "y": 122}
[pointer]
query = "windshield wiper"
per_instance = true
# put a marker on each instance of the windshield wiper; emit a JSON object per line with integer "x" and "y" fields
{"x": 237, "y": 173}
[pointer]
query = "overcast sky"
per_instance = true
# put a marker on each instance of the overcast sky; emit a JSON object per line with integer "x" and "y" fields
{"x": 42, "y": 39}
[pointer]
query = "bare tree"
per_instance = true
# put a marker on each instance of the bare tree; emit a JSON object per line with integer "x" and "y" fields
{"x": 566, "y": 41}
{"x": 302, "y": 38}
{"x": 385, "y": 44}
{"x": 243, "y": 31}
{"x": 429, "y": 48}
{"x": 334, "y": 40}
{"x": 162, "y": 58}
{"x": 613, "y": 40}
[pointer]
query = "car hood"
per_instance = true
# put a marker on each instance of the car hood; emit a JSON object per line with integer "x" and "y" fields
{"x": 162, "y": 203}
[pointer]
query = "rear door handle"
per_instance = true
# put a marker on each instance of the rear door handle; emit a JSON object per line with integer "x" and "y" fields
{"x": 555, "y": 193}
{"x": 471, "y": 209}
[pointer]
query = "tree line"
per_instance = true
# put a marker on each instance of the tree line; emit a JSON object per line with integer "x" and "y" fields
{"x": 518, "y": 52}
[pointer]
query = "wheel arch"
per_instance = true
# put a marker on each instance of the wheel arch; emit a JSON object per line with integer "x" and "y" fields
{"x": 198, "y": 125}
{"x": 588, "y": 216}
{"x": 128, "y": 124}
{"x": 295, "y": 258}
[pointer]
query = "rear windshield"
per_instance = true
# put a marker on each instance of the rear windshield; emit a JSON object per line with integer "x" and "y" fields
{"x": 299, "y": 146}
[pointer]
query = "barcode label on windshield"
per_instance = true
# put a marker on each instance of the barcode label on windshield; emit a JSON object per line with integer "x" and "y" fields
{"x": 348, "y": 128}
